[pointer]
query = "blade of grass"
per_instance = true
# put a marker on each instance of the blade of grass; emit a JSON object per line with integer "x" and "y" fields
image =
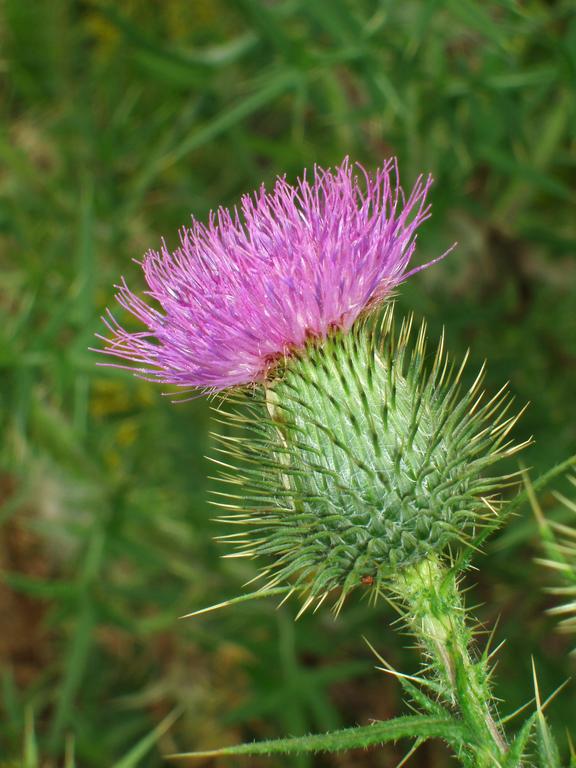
{"x": 145, "y": 745}
{"x": 276, "y": 86}
{"x": 31, "y": 758}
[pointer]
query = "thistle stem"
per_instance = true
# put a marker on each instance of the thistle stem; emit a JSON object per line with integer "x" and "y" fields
{"x": 436, "y": 615}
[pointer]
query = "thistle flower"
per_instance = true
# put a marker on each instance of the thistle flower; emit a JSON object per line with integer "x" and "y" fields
{"x": 358, "y": 462}
{"x": 250, "y": 287}
{"x": 370, "y": 462}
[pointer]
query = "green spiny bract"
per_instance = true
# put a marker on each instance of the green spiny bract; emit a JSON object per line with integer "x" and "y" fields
{"x": 559, "y": 542}
{"x": 359, "y": 459}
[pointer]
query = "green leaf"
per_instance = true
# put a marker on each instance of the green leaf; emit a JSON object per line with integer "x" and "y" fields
{"x": 9, "y": 697}
{"x": 475, "y": 16}
{"x": 276, "y": 86}
{"x": 30, "y": 743}
{"x": 407, "y": 727}
{"x": 76, "y": 663}
{"x": 263, "y": 95}
{"x": 525, "y": 172}
{"x": 417, "y": 696}
{"x": 516, "y": 751}
{"x": 157, "y": 58}
{"x": 69, "y": 758}
{"x": 41, "y": 589}
{"x": 548, "y": 754}
{"x": 139, "y": 750}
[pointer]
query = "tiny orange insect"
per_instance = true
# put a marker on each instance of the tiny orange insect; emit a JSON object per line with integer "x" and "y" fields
{"x": 368, "y": 580}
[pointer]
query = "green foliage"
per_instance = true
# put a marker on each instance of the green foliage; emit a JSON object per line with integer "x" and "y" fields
{"x": 408, "y": 727}
{"x": 117, "y": 121}
{"x": 31, "y": 757}
{"x": 452, "y": 697}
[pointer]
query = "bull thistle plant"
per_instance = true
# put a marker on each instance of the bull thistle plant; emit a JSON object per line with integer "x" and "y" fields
{"x": 359, "y": 458}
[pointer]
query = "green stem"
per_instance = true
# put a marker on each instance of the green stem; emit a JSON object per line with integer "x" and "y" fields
{"x": 436, "y": 615}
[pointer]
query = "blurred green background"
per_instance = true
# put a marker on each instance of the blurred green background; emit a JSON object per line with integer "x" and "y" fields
{"x": 118, "y": 121}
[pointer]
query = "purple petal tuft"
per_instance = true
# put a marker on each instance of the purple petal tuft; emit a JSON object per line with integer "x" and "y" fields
{"x": 251, "y": 286}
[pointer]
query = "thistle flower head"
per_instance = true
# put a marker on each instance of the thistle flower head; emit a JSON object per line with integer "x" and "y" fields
{"x": 252, "y": 286}
{"x": 370, "y": 462}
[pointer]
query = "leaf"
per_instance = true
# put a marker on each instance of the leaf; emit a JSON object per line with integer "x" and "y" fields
{"x": 548, "y": 754}
{"x": 76, "y": 663}
{"x": 9, "y": 697}
{"x": 410, "y": 685}
{"x": 572, "y": 753}
{"x": 69, "y": 752}
{"x": 277, "y": 85}
{"x": 407, "y": 727}
{"x": 139, "y": 750}
{"x": 515, "y": 755}
{"x": 41, "y": 589}
{"x": 30, "y": 743}
{"x": 476, "y": 17}
{"x": 525, "y": 172}
{"x": 303, "y": 687}
{"x": 158, "y": 59}
{"x": 263, "y": 94}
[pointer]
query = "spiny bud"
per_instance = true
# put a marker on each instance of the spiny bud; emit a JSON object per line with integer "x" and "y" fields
{"x": 360, "y": 459}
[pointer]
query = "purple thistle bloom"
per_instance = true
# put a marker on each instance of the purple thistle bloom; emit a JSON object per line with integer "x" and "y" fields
{"x": 250, "y": 287}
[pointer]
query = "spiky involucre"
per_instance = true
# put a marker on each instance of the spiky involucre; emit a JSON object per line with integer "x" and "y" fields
{"x": 367, "y": 462}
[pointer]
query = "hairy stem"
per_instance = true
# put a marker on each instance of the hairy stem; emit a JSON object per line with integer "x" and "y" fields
{"x": 436, "y": 615}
